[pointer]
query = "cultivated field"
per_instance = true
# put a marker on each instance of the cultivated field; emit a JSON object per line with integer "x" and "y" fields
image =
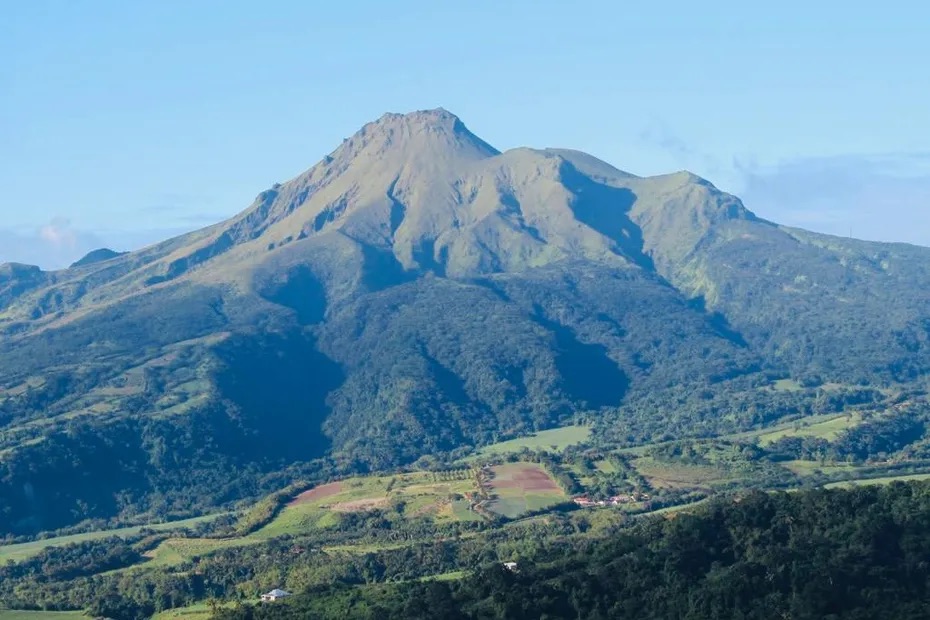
{"x": 519, "y": 488}
{"x": 437, "y": 495}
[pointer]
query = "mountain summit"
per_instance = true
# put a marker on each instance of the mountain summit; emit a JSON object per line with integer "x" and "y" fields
{"x": 418, "y": 291}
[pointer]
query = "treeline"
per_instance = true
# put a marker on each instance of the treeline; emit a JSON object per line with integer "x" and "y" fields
{"x": 879, "y": 437}
{"x": 684, "y": 410}
{"x": 82, "y": 576}
{"x": 817, "y": 554}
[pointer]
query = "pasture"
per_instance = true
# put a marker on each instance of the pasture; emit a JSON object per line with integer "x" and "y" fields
{"x": 24, "y": 551}
{"x": 518, "y": 488}
{"x": 200, "y": 611}
{"x": 809, "y": 468}
{"x": 553, "y": 440}
{"x": 14, "y": 614}
{"x": 678, "y": 475}
{"x": 848, "y": 484}
{"x": 828, "y": 429}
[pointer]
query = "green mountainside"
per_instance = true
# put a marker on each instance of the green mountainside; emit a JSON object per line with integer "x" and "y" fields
{"x": 415, "y": 294}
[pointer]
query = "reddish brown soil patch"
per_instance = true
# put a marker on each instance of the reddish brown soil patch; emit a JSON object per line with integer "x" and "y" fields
{"x": 530, "y": 479}
{"x": 321, "y": 492}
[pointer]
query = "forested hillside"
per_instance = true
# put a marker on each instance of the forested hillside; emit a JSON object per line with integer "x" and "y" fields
{"x": 417, "y": 294}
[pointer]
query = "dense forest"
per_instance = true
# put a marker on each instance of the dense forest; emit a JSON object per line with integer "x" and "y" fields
{"x": 812, "y": 555}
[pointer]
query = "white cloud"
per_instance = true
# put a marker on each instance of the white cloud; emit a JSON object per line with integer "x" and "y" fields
{"x": 54, "y": 245}
{"x": 59, "y": 233}
{"x": 58, "y": 243}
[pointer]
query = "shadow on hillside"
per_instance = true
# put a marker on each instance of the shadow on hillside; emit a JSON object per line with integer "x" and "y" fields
{"x": 589, "y": 374}
{"x": 276, "y": 387}
{"x": 300, "y": 291}
{"x": 604, "y": 209}
{"x": 718, "y": 322}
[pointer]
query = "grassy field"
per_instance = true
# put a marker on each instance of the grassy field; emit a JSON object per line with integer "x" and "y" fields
{"x": 848, "y": 484}
{"x": 200, "y": 611}
{"x": 519, "y": 488}
{"x": 809, "y": 468}
{"x": 555, "y": 440}
{"x": 674, "y": 475}
{"x": 436, "y": 495}
{"x": 672, "y": 510}
{"x": 23, "y": 551}
{"x": 828, "y": 429}
{"x": 786, "y": 385}
{"x": 451, "y": 576}
{"x": 790, "y": 385}
{"x": 827, "y": 426}
{"x": 12, "y": 614}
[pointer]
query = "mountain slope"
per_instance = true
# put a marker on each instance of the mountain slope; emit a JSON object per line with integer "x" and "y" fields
{"x": 417, "y": 292}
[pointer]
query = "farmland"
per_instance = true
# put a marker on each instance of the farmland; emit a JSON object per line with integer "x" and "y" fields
{"x": 200, "y": 611}
{"x": 430, "y": 494}
{"x": 553, "y": 440}
{"x": 12, "y": 614}
{"x": 518, "y": 488}
{"x": 848, "y": 484}
{"x": 828, "y": 429}
{"x": 23, "y": 551}
{"x": 439, "y": 496}
{"x": 674, "y": 475}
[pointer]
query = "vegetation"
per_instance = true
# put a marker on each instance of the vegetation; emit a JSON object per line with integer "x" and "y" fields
{"x": 200, "y": 373}
{"x": 382, "y": 408}
{"x": 23, "y": 551}
{"x": 554, "y": 440}
{"x": 40, "y": 615}
{"x": 836, "y": 554}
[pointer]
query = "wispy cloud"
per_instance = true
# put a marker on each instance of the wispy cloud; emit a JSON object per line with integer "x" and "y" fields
{"x": 55, "y": 244}
{"x": 882, "y": 197}
{"x": 173, "y": 211}
{"x": 686, "y": 155}
{"x": 58, "y": 243}
{"x": 661, "y": 136}
{"x": 876, "y": 196}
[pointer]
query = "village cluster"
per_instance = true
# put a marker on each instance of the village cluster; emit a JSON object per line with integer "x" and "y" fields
{"x": 585, "y": 502}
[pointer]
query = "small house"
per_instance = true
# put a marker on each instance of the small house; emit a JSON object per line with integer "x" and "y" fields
{"x": 274, "y": 595}
{"x": 511, "y": 566}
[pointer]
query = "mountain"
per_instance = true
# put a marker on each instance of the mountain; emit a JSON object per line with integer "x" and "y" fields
{"x": 96, "y": 256}
{"x": 415, "y": 293}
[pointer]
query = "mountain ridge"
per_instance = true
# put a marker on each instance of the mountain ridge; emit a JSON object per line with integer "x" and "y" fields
{"x": 390, "y": 152}
{"x": 418, "y": 292}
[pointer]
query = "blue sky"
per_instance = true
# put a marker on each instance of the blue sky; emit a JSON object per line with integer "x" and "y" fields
{"x": 123, "y": 122}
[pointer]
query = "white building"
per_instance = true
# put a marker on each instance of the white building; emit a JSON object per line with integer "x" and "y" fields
{"x": 275, "y": 595}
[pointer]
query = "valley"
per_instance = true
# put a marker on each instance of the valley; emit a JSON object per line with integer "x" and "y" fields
{"x": 490, "y": 500}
